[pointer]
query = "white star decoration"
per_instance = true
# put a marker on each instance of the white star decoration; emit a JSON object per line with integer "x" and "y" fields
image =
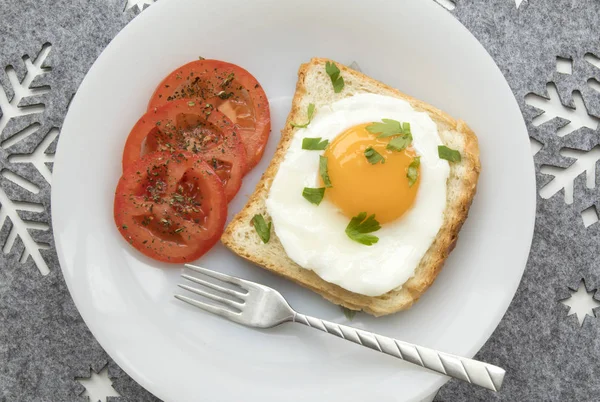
{"x": 98, "y": 387}
{"x": 581, "y": 303}
{"x": 518, "y": 2}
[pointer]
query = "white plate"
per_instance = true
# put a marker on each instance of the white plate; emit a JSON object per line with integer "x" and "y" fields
{"x": 183, "y": 354}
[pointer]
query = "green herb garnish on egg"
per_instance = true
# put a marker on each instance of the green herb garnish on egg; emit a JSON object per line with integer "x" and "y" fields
{"x": 313, "y": 195}
{"x": 359, "y": 228}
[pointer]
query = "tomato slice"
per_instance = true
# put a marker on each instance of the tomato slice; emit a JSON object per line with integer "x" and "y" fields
{"x": 231, "y": 90}
{"x": 188, "y": 125}
{"x": 170, "y": 206}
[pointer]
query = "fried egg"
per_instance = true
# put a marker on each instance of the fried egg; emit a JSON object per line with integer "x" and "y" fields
{"x": 314, "y": 236}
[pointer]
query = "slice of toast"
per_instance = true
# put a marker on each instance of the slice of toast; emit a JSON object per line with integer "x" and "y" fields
{"x": 314, "y": 86}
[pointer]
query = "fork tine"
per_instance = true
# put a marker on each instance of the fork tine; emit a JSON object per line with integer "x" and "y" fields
{"x": 212, "y": 296}
{"x": 214, "y": 286}
{"x": 223, "y": 312}
{"x": 219, "y": 275}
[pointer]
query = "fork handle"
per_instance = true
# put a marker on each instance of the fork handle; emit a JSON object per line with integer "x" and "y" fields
{"x": 469, "y": 370}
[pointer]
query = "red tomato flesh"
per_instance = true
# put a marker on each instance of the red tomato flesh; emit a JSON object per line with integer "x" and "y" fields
{"x": 170, "y": 206}
{"x": 231, "y": 90}
{"x": 187, "y": 125}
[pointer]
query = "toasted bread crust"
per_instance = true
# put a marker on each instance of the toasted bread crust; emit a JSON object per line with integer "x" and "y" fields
{"x": 465, "y": 175}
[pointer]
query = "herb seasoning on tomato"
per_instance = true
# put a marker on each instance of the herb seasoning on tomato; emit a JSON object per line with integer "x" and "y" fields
{"x": 229, "y": 89}
{"x": 191, "y": 126}
{"x": 170, "y": 206}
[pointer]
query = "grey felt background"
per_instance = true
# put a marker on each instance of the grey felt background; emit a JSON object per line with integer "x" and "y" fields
{"x": 44, "y": 344}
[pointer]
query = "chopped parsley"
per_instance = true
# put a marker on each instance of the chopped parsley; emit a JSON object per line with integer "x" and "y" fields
{"x": 400, "y": 142}
{"x": 314, "y": 144}
{"x": 389, "y": 128}
{"x": 225, "y": 95}
{"x": 261, "y": 227}
{"x": 227, "y": 80}
{"x": 449, "y": 154}
{"x": 359, "y": 228}
{"x": 313, "y": 195}
{"x": 393, "y": 128}
{"x": 413, "y": 171}
{"x": 336, "y": 78}
{"x": 310, "y": 112}
{"x": 349, "y": 313}
{"x": 323, "y": 171}
{"x": 373, "y": 156}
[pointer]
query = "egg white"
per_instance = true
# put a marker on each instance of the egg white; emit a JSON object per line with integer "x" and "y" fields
{"x": 314, "y": 236}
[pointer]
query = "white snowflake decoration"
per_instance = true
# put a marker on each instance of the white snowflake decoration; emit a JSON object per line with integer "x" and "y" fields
{"x": 22, "y": 90}
{"x": 564, "y": 178}
{"x": 553, "y": 108}
{"x": 581, "y": 303}
{"x": 585, "y": 161}
{"x": 21, "y": 105}
{"x": 98, "y": 387}
{"x": 519, "y": 2}
{"x": 39, "y": 158}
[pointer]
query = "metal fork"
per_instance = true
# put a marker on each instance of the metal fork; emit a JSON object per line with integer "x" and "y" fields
{"x": 259, "y": 306}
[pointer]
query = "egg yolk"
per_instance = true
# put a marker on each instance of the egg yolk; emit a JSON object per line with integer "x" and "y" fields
{"x": 359, "y": 186}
